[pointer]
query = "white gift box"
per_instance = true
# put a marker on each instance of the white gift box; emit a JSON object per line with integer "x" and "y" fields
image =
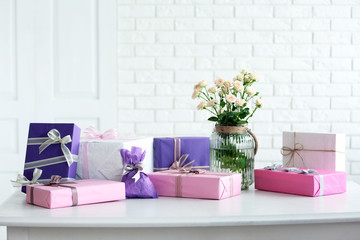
{"x": 324, "y": 151}
{"x": 101, "y": 159}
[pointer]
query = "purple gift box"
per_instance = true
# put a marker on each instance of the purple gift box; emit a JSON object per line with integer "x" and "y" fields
{"x": 167, "y": 150}
{"x": 55, "y": 158}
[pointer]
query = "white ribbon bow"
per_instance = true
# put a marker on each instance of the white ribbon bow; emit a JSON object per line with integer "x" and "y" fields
{"x": 129, "y": 167}
{"x": 55, "y": 137}
{"x": 21, "y": 180}
{"x": 273, "y": 167}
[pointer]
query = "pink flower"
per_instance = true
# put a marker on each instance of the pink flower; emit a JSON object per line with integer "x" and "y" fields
{"x": 212, "y": 103}
{"x": 238, "y": 86}
{"x": 201, "y": 105}
{"x": 195, "y": 94}
{"x": 203, "y": 83}
{"x": 219, "y": 82}
{"x": 230, "y": 98}
{"x": 228, "y": 83}
{"x": 240, "y": 102}
{"x": 259, "y": 103}
{"x": 225, "y": 89}
{"x": 253, "y": 76}
{"x": 250, "y": 90}
{"x": 212, "y": 89}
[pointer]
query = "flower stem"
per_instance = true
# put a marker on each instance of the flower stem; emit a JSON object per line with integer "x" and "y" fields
{"x": 251, "y": 113}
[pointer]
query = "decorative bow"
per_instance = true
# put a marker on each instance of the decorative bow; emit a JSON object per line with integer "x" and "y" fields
{"x": 287, "y": 151}
{"x": 93, "y": 133}
{"x": 133, "y": 161}
{"x": 275, "y": 166}
{"x": 197, "y": 171}
{"x": 54, "y": 181}
{"x": 292, "y": 169}
{"x": 300, "y": 171}
{"x": 308, "y": 171}
{"x": 21, "y": 180}
{"x": 179, "y": 164}
{"x": 55, "y": 137}
{"x": 129, "y": 167}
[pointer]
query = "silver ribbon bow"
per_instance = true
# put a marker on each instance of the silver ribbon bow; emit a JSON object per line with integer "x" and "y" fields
{"x": 321, "y": 178}
{"x": 308, "y": 171}
{"x": 21, "y": 180}
{"x": 55, "y": 137}
{"x": 129, "y": 167}
{"x": 273, "y": 167}
{"x": 292, "y": 169}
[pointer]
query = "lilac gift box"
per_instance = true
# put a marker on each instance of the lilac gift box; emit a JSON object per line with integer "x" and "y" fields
{"x": 167, "y": 150}
{"x": 313, "y": 184}
{"x": 75, "y": 193}
{"x": 51, "y": 160}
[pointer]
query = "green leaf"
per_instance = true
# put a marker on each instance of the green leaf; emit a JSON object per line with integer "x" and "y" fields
{"x": 222, "y": 103}
{"x": 213, "y": 119}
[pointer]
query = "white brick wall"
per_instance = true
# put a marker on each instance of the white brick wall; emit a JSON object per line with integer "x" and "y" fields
{"x": 306, "y": 52}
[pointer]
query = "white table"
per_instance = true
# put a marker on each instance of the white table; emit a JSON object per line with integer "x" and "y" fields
{"x": 253, "y": 215}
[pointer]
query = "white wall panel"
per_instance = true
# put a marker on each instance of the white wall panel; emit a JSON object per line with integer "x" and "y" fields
{"x": 9, "y": 133}
{"x": 82, "y": 123}
{"x": 7, "y": 50}
{"x": 57, "y": 64}
{"x": 75, "y": 48}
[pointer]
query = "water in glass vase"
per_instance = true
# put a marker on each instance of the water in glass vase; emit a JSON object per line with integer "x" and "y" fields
{"x": 232, "y": 149}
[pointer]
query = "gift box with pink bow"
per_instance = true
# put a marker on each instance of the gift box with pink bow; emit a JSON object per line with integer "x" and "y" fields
{"x": 324, "y": 151}
{"x": 99, "y": 153}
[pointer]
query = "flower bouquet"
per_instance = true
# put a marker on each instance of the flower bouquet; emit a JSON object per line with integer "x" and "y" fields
{"x": 232, "y": 103}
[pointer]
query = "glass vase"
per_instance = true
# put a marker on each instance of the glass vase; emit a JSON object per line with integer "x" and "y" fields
{"x": 232, "y": 149}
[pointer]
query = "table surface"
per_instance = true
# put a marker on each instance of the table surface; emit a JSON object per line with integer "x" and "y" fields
{"x": 252, "y": 207}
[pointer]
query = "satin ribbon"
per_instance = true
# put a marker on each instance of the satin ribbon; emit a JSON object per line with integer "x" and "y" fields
{"x": 55, "y": 137}
{"x": 55, "y": 181}
{"x": 178, "y": 164}
{"x": 129, "y": 167}
{"x": 21, "y": 180}
{"x": 93, "y": 133}
{"x": 179, "y": 160}
{"x": 321, "y": 178}
{"x": 178, "y": 180}
{"x": 273, "y": 167}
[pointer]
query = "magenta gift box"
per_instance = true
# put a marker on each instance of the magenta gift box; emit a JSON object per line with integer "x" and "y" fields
{"x": 85, "y": 191}
{"x": 313, "y": 185}
{"x": 209, "y": 185}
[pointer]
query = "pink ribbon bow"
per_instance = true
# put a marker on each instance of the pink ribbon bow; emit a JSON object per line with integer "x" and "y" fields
{"x": 93, "y": 133}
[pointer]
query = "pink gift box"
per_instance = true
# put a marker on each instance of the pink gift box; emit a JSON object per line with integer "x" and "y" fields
{"x": 324, "y": 151}
{"x": 313, "y": 185}
{"x": 81, "y": 191}
{"x": 209, "y": 185}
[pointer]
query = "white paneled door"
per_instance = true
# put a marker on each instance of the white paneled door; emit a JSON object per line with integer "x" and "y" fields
{"x": 57, "y": 64}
